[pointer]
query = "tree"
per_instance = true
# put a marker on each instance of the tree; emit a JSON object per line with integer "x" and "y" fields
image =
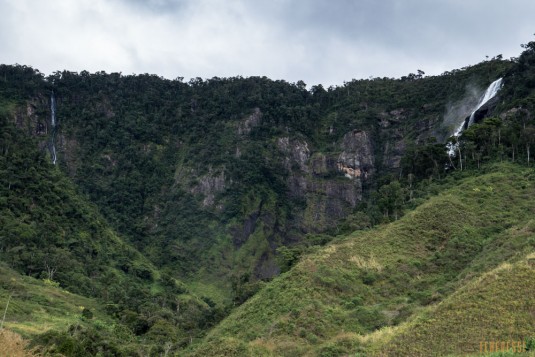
{"x": 391, "y": 199}
{"x": 528, "y": 140}
{"x": 425, "y": 160}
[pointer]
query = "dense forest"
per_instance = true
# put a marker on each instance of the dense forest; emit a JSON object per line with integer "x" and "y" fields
{"x": 178, "y": 208}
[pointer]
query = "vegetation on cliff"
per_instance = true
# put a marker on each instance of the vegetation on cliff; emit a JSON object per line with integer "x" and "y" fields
{"x": 174, "y": 203}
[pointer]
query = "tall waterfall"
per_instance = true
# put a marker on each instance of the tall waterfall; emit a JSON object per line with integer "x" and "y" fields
{"x": 52, "y": 144}
{"x": 490, "y": 93}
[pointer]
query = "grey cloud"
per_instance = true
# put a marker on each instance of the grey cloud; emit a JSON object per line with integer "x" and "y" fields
{"x": 319, "y": 41}
{"x": 159, "y": 6}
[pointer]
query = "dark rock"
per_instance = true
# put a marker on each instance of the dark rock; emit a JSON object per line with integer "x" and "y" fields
{"x": 240, "y": 234}
{"x": 485, "y": 111}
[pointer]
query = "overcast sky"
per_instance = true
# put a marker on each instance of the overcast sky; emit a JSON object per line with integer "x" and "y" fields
{"x": 318, "y": 41}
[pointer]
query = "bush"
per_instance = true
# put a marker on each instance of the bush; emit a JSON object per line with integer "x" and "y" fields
{"x": 77, "y": 341}
{"x": 530, "y": 344}
{"x": 369, "y": 317}
{"x": 87, "y": 314}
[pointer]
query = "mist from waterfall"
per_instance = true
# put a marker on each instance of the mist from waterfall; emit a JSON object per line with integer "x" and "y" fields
{"x": 490, "y": 93}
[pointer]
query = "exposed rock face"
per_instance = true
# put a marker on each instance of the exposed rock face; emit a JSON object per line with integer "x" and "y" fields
{"x": 485, "y": 110}
{"x": 356, "y": 159}
{"x": 240, "y": 234}
{"x": 27, "y": 118}
{"x": 30, "y": 120}
{"x": 209, "y": 185}
{"x": 515, "y": 112}
{"x": 250, "y": 122}
{"x": 394, "y": 133}
{"x": 387, "y": 119}
{"x": 318, "y": 178}
{"x": 320, "y": 164}
{"x": 266, "y": 267}
{"x": 393, "y": 151}
{"x": 68, "y": 148}
{"x": 297, "y": 153}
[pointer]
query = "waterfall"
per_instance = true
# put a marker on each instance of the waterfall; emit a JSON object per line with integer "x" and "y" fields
{"x": 52, "y": 144}
{"x": 53, "y": 110}
{"x": 490, "y": 93}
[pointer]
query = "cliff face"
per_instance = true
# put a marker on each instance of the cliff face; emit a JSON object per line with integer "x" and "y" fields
{"x": 228, "y": 170}
{"x": 327, "y": 184}
{"x": 34, "y": 119}
{"x": 331, "y": 184}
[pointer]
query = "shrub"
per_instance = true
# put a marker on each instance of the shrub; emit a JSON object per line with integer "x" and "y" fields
{"x": 530, "y": 344}
{"x": 87, "y": 314}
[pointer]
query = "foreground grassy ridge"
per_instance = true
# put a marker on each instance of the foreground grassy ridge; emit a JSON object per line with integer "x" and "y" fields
{"x": 37, "y": 306}
{"x": 55, "y": 322}
{"x": 331, "y": 301}
{"x": 498, "y": 306}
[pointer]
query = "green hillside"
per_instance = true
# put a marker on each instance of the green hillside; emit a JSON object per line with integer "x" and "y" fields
{"x": 250, "y": 216}
{"x": 497, "y": 306}
{"x": 37, "y": 306}
{"x": 254, "y": 160}
{"x": 333, "y": 300}
{"x": 50, "y": 232}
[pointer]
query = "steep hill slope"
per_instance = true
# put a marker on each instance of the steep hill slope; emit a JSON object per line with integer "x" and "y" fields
{"x": 259, "y": 163}
{"x": 37, "y": 307}
{"x": 498, "y": 307}
{"x": 50, "y": 232}
{"x": 331, "y": 300}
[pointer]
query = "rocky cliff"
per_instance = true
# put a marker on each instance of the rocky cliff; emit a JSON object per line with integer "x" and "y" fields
{"x": 229, "y": 170}
{"x": 330, "y": 184}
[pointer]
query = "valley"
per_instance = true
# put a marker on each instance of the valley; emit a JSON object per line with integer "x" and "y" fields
{"x": 246, "y": 216}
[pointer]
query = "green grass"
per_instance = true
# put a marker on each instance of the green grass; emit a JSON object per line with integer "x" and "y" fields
{"x": 498, "y": 306}
{"x": 369, "y": 287}
{"x": 36, "y": 307}
{"x": 210, "y": 289}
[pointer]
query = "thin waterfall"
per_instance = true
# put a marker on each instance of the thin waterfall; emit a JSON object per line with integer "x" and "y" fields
{"x": 52, "y": 144}
{"x": 490, "y": 93}
{"x": 53, "y": 109}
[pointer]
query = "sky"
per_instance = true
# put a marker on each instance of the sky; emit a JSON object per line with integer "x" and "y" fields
{"x": 318, "y": 41}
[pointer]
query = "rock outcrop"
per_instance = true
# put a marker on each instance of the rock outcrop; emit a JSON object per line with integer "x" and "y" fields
{"x": 209, "y": 185}
{"x": 330, "y": 184}
{"x": 356, "y": 159}
{"x": 485, "y": 110}
{"x": 250, "y": 122}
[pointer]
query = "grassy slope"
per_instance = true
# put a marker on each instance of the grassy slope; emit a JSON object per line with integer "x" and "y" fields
{"x": 331, "y": 301}
{"x": 46, "y": 226}
{"x": 36, "y": 306}
{"x": 498, "y": 306}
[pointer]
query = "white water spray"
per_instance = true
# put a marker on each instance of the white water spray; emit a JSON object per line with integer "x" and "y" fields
{"x": 53, "y": 127}
{"x": 490, "y": 93}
